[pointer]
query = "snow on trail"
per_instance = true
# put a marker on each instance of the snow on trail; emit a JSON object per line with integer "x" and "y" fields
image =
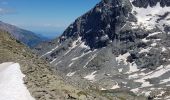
{"x": 12, "y": 84}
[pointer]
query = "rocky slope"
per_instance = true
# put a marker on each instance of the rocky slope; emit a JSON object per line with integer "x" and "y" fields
{"x": 120, "y": 45}
{"x": 40, "y": 80}
{"x": 27, "y": 37}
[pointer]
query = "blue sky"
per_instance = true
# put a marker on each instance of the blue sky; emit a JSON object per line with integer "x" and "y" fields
{"x": 46, "y": 17}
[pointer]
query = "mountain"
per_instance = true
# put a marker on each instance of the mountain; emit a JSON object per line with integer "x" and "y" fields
{"x": 39, "y": 78}
{"x": 27, "y": 37}
{"x": 119, "y": 45}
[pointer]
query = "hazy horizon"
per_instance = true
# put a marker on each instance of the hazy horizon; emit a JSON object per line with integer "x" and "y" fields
{"x": 48, "y": 18}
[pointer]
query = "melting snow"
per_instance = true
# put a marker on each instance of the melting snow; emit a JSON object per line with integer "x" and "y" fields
{"x": 147, "y": 93}
{"x": 103, "y": 89}
{"x": 148, "y": 16}
{"x": 153, "y": 44}
{"x": 162, "y": 92}
{"x": 145, "y": 40}
{"x": 141, "y": 78}
{"x": 91, "y": 77}
{"x": 123, "y": 58}
{"x": 12, "y": 84}
{"x": 58, "y": 63}
{"x": 120, "y": 70}
{"x": 70, "y": 64}
{"x": 74, "y": 44}
{"x": 163, "y": 49}
{"x": 136, "y": 90}
{"x": 76, "y": 58}
{"x": 49, "y": 52}
{"x": 145, "y": 50}
{"x": 84, "y": 46}
{"x": 155, "y": 33}
{"x": 115, "y": 86}
{"x": 70, "y": 74}
{"x": 132, "y": 68}
{"x": 53, "y": 60}
{"x": 167, "y": 97}
{"x": 165, "y": 80}
{"x": 90, "y": 60}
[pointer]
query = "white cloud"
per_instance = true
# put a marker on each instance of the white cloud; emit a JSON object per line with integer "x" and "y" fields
{"x": 4, "y": 11}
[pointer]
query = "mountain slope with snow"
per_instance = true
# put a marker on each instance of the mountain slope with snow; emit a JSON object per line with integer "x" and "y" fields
{"x": 12, "y": 84}
{"x": 40, "y": 79}
{"x": 119, "y": 45}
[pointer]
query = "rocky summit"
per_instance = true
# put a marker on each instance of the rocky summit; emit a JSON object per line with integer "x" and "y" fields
{"x": 119, "y": 45}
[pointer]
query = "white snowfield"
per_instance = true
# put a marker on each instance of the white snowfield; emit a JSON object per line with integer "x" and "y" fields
{"x": 11, "y": 83}
{"x": 91, "y": 77}
{"x": 148, "y": 16}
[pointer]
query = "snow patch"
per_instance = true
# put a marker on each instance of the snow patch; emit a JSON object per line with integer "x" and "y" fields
{"x": 162, "y": 92}
{"x": 163, "y": 49}
{"x": 58, "y": 63}
{"x": 12, "y": 84}
{"x": 120, "y": 70}
{"x": 153, "y": 34}
{"x": 132, "y": 68}
{"x": 70, "y": 64}
{"x": 123, "y": 58}
{"x": 91, "y": 77}
{"x": 70, "y": 74}
{"x": 102, "y": 89}
{"x": 153, "y": 44}
{"x": 90, "y": 60}
{"x": 76, "y": 58}
{"x": 164, "y": 81}
{"x": 141, "y": 78}
{"x": 84, "y": 46}
{"x": 49, "y": 51}
{"x": 147, "y": 17}
{"x": 136, "y": 90}
{"x": 145, "y": 40}
{"x": 147, "y": 93}
{"x": 115, "y": 86}
{"x": 74, "y": 44}
{"x": 145, "y": 50}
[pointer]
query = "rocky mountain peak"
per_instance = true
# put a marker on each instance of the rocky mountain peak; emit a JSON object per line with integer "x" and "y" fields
{"x": 107, "y": 19}
{"x": 101, "y": 24}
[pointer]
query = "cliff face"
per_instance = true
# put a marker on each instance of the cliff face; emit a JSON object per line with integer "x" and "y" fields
{"x": 119, "y": 45}
{"x": 101, "y": 24}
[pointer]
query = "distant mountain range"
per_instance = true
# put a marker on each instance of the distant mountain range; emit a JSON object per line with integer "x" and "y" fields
{"x": 27, "y": 37}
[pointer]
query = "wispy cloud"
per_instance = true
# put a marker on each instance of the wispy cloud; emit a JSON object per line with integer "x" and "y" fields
{"x": 4, "y": 11}
{"x": 5, "y": 8}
